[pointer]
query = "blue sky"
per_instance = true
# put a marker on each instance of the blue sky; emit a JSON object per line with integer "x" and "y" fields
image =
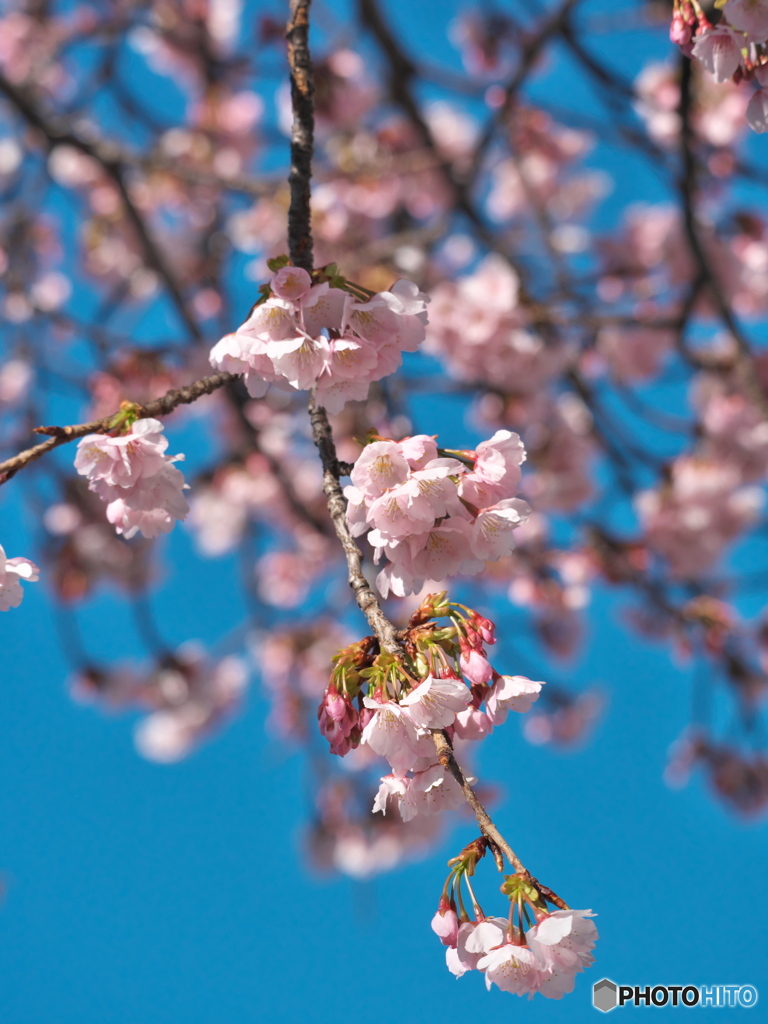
{"x": 143, "y": 894}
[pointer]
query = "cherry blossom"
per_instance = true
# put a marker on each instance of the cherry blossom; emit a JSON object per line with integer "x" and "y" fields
{"x": 392, "y": 733}
{"x": 447, "y": 516}
{"x": 514, "y": 968}
{"x": 12, "y": 571}
{"x": 433, "y": 704}
{"x": 304, "y": 334}
{"x": 562, "y": 941}
{"x": 750, "y": 16}
{"x": 511, "y": 693}
{"x": 445, "y": 924}
{"x": 719, "y": 50}
{"x": 132, "y": 473}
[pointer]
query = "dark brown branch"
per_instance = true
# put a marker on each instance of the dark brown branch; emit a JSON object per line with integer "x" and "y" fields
{"x": 302, "y": 134}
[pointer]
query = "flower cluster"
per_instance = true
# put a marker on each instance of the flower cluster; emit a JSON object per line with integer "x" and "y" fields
{"x": 481, "y": 330}
{"x": 132, "y": 473}
{"x": 543, "y": 958}
{"x": 390, "y": 707}
{"x": 434, "y": 512}
{"x": 329, "y": 333}
{"x": 188, "y": 696}
{"x": 12, "y": 572}
{"x": 702, "y": 508}
{"x": 731, "y": 49}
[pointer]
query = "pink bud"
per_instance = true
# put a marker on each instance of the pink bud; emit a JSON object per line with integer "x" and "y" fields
{"x": 679, "y": 30}
{"x": 335, "y": 705}
{"x": 291, "y": 283}
{"x": 475, "y": 665}
{"x": 445, "y": 924}
{"x": 485, "y": 627}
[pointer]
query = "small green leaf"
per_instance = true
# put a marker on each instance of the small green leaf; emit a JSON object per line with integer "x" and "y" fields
{"x": 277, "y": 263}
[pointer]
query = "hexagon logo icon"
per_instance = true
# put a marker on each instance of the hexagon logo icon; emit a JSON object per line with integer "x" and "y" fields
{"x": 604, "y": 995}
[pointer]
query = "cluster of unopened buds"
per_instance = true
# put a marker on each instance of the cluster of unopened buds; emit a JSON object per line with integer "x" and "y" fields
{"x": 128, "y": 469}
{"x": 436, "y": 512}
{"x": 392, "y": 706}
{"x": 542, "y": 951}
{"x": 734, "y": 48}
{"x": 320, "y": 329}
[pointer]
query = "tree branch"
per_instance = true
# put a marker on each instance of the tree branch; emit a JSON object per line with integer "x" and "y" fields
{"x": 108, "y": 159}
{"x": 300, "y": 248}
{"x": 158, "y": 407}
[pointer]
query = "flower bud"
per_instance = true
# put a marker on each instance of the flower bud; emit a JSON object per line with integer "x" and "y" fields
{"x": 445, "y": 923}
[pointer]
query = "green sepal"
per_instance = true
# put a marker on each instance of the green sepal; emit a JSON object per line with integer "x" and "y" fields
{"x": 278, "y": 262}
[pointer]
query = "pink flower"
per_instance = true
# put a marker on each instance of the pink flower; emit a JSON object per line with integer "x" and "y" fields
{"x": 462, "y": 958}
{"x": 396, "y": 789}
{"x": 121, "y": 461}
{"x": 241, "y": 353}
{"x": 472, "y": 724}
{"x": 498, "y": 460}
{"x": 513, "y": 968}
{"x": 719, "y": 50}
{"x": 273, "y": 320}
{"x": 511, "y": 693}
{"x": 445, "y": 924}
{"x": 418, "y": 450}
{"x": 392, "y": 734}
{"x": 750, "y": 16}
{"x": 322, "y": 309}
{"x": 485, "y": 627}
{"x": 132, "y": 473}
{"x": 305, "y": 334}
{"x": 492, "y": 531}
{"x": 435, "y": 702}
{"x": 291, "y": 283}
{"x": 395, "y": 514}
{"x": 486, "y": 934}
{"x": 12, "y": 571}
{"x": 562, "y": 942}
{"x": 151, "y": 506}
{"x": 379, "y": 467}
{"x": 445, "y": 551}
{"x": 398, "y": 316}
{"x": 474, "y": 665}
{"x": 679, "y": 30}
{"x": 337, "y": 718}
{"x": 435, "y": 790}
{"x": 429, "y": 516}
